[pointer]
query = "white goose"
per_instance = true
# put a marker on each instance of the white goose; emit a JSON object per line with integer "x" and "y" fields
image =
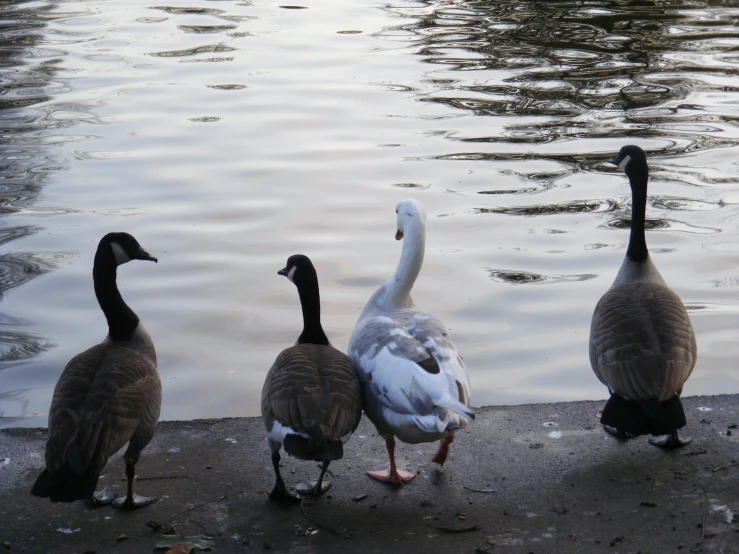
{"x": 414, "y": 384}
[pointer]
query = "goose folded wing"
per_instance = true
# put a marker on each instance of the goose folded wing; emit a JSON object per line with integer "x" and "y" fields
{"x": 339, "y": 375}
{"x": 642, "y": 345}
{"x": 313, "y": 391}
{"x": 401, "y": 372}
{"x": 100, "y": 400}
{"x": 434, "y": 336}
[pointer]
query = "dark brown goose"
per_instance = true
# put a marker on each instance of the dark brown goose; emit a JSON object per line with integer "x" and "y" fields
{"x": 311, "y": 401}
{"x": 107, "y": 396}
{"x": 642, "y": 346}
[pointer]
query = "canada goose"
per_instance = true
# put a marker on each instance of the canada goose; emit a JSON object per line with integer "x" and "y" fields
{"x": 107, "y": 396}
{"x": 311, "y": 403}
{"x": 642, "y": 346}
{"x": 414, "y": 384}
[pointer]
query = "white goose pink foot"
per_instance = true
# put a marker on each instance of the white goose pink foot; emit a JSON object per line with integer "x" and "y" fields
{"x": 392, "y": 474}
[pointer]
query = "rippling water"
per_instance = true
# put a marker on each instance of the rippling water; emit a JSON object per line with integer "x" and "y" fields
{"x": 228, "y": 135}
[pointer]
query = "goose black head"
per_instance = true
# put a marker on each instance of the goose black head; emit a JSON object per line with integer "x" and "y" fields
{"x": 299, "y": 269}
{"x": 632, "y": 161}
{"x": 123, "y": 248}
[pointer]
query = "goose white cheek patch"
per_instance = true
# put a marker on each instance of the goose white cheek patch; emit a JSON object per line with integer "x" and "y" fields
{"x": 120, "y": 255}
{"x": 291, "y": 273}
{"x": 624, "y": 163}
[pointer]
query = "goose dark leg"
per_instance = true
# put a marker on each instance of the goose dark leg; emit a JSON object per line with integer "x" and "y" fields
{"x": 441, "y": 454}
{"x": 392, "y": 474}
{"x": 279, "y": 491}
{"x": 132, "y": 501}
{"x": 318, "y": 487}
{"x": 670, "y": 441}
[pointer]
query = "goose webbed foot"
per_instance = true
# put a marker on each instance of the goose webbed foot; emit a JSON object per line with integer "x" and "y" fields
{"x": 281, "y": 494}
{"x": 312, "y": 489}
{"x": 620, "y": 435}
{"x": 318, "y": 487}
{"x": 103, "y": 497}
{"x": 131, "y": 502}
{"x": 279, "y": 491}
{"x": 392, "y": 475}
{"x": 670, "y": 441}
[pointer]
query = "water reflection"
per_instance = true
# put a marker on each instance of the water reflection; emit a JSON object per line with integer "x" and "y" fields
{"x": 498, "y": 116}
{"x": 208, "y": 48}
{"x": 579, "y": 206}
{"x": 567, "y": 71}
{"x": 28, "y": 80}
{"x": 18, "y": 346}
{"x": 529, "y": 278}
{"x": 15, "y": 397}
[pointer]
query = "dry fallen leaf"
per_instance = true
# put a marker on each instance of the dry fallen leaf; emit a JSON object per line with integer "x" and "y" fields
{"x": 180, "y": 549}
{"x": 349, "y": 32}
{"x": 122, "y": 537}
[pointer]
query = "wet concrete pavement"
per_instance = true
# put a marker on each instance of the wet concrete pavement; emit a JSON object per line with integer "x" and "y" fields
{"x": 535, "y": 478}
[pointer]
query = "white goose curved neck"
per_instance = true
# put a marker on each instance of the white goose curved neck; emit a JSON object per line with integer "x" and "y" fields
{"x": 395, "y": 293}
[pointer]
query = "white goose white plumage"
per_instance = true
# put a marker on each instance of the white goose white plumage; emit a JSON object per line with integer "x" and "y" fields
{"x": 414, "y": 384}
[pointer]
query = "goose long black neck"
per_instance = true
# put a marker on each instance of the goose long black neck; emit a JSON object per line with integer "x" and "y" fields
{"x": 637, "y": 250}
{"x": 121, "y": 319}
{"x": 310, "y": 301}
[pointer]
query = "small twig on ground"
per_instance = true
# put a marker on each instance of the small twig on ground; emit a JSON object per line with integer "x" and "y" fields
{"x": 163, "y": 477}
{"x": 697, "y": 452}
{"x": 198, "y": 523}
{"x": 316, "y": 522}
{"x": 482, "y": 491}
{"x": 195, "y": 507}
{"x": 724, "y": 467}
{"x": 703, "y": 528}
{"x": 458, "y": 529}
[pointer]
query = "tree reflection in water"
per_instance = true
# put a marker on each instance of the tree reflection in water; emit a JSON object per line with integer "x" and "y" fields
{"x": 26, "y": 82}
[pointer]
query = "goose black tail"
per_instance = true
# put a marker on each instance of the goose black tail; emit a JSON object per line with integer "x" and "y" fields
{"x": 310, "y": 449}
{"x": 64, "y": 485}
{"x": 647, "y": 417}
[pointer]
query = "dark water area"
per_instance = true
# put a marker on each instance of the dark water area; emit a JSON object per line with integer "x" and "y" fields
{"x": 25, "y": 163}
{"x": 228, "y": 135}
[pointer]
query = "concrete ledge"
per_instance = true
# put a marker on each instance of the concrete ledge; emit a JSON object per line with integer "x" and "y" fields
{"x": 533, "y": 478}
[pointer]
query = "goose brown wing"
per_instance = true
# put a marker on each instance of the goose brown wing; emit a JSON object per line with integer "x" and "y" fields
{"x": 641, "y": 342}
{"x": 102, "y": 397}
{"x": 313, "y": 389}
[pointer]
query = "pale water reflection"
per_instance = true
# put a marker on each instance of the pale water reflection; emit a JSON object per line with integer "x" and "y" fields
{"x": 229, "y": 135}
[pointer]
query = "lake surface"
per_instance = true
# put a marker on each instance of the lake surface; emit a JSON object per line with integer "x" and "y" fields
{"x": 227, "y": 136}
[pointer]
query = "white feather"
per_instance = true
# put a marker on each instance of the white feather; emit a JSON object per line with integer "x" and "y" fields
{"x": 278, "y": 432}
{"x": 121, "y": 257}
